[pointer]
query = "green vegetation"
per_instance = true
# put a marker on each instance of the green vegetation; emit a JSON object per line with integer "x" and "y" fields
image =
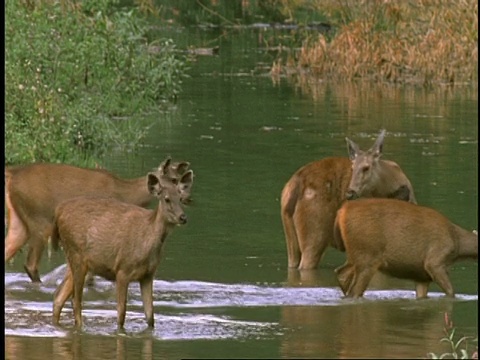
{"x": 80, "y": 78}
{"x": 427, "y": 42}
{"x": 459, "y": 348}
{"x": 238, "y": 12}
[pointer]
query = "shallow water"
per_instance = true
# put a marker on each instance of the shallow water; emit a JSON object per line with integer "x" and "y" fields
{"x": 186, "y": 310}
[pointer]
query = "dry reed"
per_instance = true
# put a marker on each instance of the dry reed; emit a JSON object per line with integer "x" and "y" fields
{"x": 427, "y": 42}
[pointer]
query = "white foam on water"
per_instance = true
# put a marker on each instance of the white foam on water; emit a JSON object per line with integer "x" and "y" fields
{"x": 32, "y": 315}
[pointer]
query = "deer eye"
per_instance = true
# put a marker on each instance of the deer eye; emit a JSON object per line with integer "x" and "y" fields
{"x": 365, "y": 169}
{"x": 167, "y": 199}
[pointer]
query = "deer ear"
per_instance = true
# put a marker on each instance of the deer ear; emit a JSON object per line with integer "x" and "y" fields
{"x": 163, "y": 167}
{"x": 187, "y": 178}
{"x": 182, "y": 167}
{"x": 153, "y": 184}
{"x": 377, "y": 148}
{"x": 352, "y": 148}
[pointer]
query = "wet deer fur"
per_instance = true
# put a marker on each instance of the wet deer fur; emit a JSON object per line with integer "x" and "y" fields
{"x": 399, "y": 239}
{"x": 312, "y": 196}
{"x": 33, "y": 191}
{"x": 118, "y": 241}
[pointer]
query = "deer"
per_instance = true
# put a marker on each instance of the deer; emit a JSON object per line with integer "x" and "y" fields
{"x": 33, "y": 191}
{"x": 314, "y": 193}
{"x": 118, "y": 241}
{"x": 401, "y": 240}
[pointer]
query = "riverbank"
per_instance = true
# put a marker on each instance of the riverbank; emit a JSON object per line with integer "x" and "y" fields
{"x": 79, "y": 80}
{"x": 425, "y": 42}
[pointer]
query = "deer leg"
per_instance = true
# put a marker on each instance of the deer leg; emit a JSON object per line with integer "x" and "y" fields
{"x": 345, "y": 276}
{"x": 17, "y": 234}
{"x": 122, "y": 290}
{"x": 314, "y": 247}
{"x": 63, "y": 292}
{"x": 439, "y": 274}
{"x": 293, "y": 251}
{"x": 360, "y": 281}
{"x": 90, "y": 280}
{"x": 79, "y": 271}
{"x": 146, "y": 287}
{"x": 293, "y": 277}
{"x": 33, "y": 258}
{"x": 421, "y": 289}
{"x": 314, "y": 231}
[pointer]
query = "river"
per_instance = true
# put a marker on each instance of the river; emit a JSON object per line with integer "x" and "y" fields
{"x": 223, "y": 289}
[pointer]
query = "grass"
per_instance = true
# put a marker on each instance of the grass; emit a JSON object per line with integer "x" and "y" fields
{"x": 460, "y": 348}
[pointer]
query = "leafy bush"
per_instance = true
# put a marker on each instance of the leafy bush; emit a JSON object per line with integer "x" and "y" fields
{"x": 79, "y": 78}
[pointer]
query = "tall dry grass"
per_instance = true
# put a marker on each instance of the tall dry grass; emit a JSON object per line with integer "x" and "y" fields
{"x": 425, "y": 41}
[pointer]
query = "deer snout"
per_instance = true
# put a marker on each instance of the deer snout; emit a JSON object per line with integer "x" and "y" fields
{"x": 186, "y": 200}
{"x": 351, "y": 194}
{"x": 182, "y": 219}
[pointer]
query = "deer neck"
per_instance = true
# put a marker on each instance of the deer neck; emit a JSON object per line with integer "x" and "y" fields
{"x": 160, "y": 224}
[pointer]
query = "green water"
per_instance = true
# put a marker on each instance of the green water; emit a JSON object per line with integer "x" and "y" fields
{"x": 223, "y": 289}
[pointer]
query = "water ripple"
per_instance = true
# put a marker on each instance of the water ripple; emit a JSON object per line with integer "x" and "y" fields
{"x": 28, "y": 307}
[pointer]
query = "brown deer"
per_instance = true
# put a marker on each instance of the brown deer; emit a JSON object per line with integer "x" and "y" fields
{"x": 312, "y": 196}
{"x": 33, "y": 191}
{"x": 118, "y": 241}
{"x": 399, "y": 239}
